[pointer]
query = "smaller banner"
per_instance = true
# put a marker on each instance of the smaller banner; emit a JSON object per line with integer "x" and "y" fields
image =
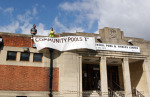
{"x": 65, "y": 43}
{"x": 114, "y": 47}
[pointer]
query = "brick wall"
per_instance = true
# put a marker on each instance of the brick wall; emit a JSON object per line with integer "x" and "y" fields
{"x": 26, "y": 78}
{"x": 16, "y": 41}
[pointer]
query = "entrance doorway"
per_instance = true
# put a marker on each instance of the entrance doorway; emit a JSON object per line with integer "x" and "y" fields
{"x": 90, "y": 77}
{"x": 113, "y": 77}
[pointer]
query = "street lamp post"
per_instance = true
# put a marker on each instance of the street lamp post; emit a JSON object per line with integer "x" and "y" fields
{"x": 51, "y": 72}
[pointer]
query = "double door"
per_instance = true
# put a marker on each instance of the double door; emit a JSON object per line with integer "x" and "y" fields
{"x": 113, "y": 78}
{"x": 90, "y": 78}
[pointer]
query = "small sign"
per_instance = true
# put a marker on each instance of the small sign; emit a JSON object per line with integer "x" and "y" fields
{"x": 115, "y": 47}
{"x": 1, "y": 39}
{"x": 34, "y": 46}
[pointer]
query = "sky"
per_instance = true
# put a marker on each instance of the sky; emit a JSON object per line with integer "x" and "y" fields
{"x": 131, "y": 16}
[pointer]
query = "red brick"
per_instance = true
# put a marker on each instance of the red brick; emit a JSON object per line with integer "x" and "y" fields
{"x": 27, "y": 78}
{"x": 16, "y": 41}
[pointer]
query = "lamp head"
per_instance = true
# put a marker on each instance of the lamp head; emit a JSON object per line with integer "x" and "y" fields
{"x": 99, "y": 38}
{"x": 130, "y": 41}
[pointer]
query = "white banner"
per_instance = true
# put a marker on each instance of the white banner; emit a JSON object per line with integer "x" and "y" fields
{"x": 114, "y": 47}
{"x": 65, "y": 43}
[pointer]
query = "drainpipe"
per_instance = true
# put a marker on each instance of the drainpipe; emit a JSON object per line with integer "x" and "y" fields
{"x": 51, "y": 72}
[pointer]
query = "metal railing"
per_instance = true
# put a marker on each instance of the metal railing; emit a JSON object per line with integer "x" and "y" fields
{"x": 111, "y": 93}
{"x": 137, "y": 93}
{"x": 118, "y": 86}
{"x": 121, "y": 94}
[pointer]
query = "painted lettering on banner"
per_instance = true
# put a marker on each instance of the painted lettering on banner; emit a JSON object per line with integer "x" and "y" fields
{"x": 65, "y": 43}
{"x": 62, "y": 39}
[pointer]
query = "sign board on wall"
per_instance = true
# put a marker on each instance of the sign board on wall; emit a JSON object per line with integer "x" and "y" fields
{"x": 65, "y": 43}
{"x": 115, "y": 47}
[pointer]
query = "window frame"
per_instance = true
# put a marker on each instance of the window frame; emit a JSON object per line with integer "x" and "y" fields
{"x": 21, "y": 57}
{"x": 11, "y": 59}
{"x": 41, "y": 57}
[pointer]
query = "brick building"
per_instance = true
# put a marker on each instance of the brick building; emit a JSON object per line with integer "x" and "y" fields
{"x": 24, "y": 71}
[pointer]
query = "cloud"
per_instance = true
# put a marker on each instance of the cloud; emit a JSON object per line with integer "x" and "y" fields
{"x": 86, "y": 9}
{"x": 25, "y": 28}
{"x": 26, "y": 17}
{"x": 130, "y": 16}
{"x": 43, "y": 6}
{"x": 40, "y": 29}
{"x": 13, "y": 27}
{"x": 96, "y": 32}
{"x": 8, "y": 10}
{"x": 23, "y": 23}
{"x": 34, "y": 11}
{"x": 62, "y": 28}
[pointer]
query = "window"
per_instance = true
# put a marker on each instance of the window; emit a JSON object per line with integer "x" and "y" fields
{"x": 24, "y": 56}
{"x": 37, "y": 57}
{"x": 11, "y": 55}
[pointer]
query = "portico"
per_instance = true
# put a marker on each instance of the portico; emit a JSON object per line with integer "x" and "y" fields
{"x": 118, "y": 74}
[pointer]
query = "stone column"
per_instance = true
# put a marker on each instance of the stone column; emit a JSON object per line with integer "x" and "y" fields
{"x": 126, "y": 76}
{"x": 103, "y": 73}
{"x": 146, "y": 69}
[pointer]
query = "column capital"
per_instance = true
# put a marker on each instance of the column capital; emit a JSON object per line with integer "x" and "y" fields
{"x": 146, "y": 60}
{"x": 102, "y": 58}
{"x": 125, "y": 59}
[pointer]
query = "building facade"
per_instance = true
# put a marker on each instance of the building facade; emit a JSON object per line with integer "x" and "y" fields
{"x": 24, "y": 71}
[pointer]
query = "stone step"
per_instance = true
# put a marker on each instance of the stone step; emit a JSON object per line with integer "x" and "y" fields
{"x": 91, "y": 94}
{"x": 118, "y": 93}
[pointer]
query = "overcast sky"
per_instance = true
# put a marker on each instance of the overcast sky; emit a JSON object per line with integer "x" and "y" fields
{"x": 131, "y": 16}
